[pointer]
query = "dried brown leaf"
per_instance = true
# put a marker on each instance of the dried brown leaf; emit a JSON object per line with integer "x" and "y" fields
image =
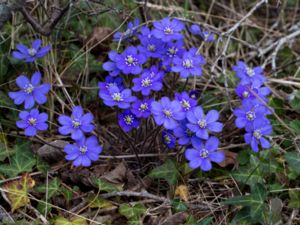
{"x": 230, "y": 158}
{"x": 176, "y": 219}
{"x": 53, "y": 151}
{"x": 183, "y": 192}
{"x": 99, "y": 39}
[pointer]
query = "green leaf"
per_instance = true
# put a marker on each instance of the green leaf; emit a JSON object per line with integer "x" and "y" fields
{"x": 43, "y": 208}
{"x": 22, "y": 161}
{"x": 295, "y": 125}
{"x": 74, "y": 221}
{"x": 53, "y": 188}
{"x": 255, "y": 200}
{"x": 295, "y": 100}
{"x": 105, "y": 186}
{"x": 247, "y": 176}
{"x": 41, "y": 165}
{"x": 293, "y": 160}
{"x": 97, "y": 202}
{"x": 179, "y": 206}
{"x": 67, "y": 193}
{"x": 243, "y": 217}
{"x": 167, "y": 171}
{"x": 206, "y": 221}
{"x": 5, "y": 152}
{"x": 132, "y": 213}
{"x": 294, "y": 199}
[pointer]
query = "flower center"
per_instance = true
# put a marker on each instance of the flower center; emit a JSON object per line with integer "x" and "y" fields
{"x": 117, "y": 97}
{"x": 168, "y": 113}
{"x": 130, "y": 60}
{"x": 29, "y": 88}
{"x": 245, "y": 94}
{"x": 146, "y": 82}
{"x": 110, "y": 84}
{"x": 189, "y": 133}
{"x": 250, "y": 72}
{"x": 152, "y": 74}
{"x": 250, "y": 115}
{"x": 83, "y": 149}
{"x": 143, "y": 107}
{"x": 76, "y": 123}
{"x": 202, "y": 123}
{"x": 172, "y": 51}
{"x": 185, "y": 104}
{"x": 204, "y": 153}
{"x": 32, "y": 121}
{"x": 168, "y": 30}
{"x": 167, "y": 139}
{"x": 128, "y": 119}
{"x": 32, "y": 51}
{"x": 151, "y": 48}
{"x": 187, "y": 63}
{"x": 257, "y": 134}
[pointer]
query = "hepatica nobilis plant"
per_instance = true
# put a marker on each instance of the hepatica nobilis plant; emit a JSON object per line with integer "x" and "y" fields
{"x": 144, "y": 74}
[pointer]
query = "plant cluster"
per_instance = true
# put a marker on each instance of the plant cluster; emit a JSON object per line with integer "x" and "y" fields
{"x": 147, "y": 58}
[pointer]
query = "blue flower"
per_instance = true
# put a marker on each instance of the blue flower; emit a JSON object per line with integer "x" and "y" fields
{"x": 255, "y": 134}
{"x": 168, "y": 30}
{"x": 111, "y": 66}
{"x": 155, "y": 72}
{"x": 205, "y": 35}
{"x": 168, "y": 139}
{"x": 195, "y": 29}
{"x": 77, "y": 124}
{"x": 248, "y": 113}
{"x": 141, "y": 108}
{"x": 201, "y": 124}
{"x": 147, "y": 83}
{"x": 84, "y": 151}
{"x": 32, "y": 122}
{"x": 186, "y": 102}
{"x": 130, "y": 61}
{"x": 243, "y": 91}
{"x": 128, "y": 121}
{"x": 109, "y": 82}
{"x": 115, "y": 97}
{"x": 172, "y": 50}
{"x": 189, "y": 64}
{"x": 31, "y": 91}
{"x": 31, "y": 54}
{"x": 167, "y": 112}
{"x": 248, "y": 75}
{"x": 150, "y": 46}
{"x": 202, "y": 154}
{"x": 130, "y": 32}
{"x": 194, "y": 94}
{"x": 184, "y": 134}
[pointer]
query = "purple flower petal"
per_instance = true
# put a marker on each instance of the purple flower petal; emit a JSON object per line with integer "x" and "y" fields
{"x": 217, "y": 157}
{"x": 36, "y": 78}
{"x": 22, "y": 81}
{"x": 212, "y": 116}
{"x": 206, "y": 165}
{"x": 77, "y": 112}
{"x": 77, "y": 134}
{"x": 30, "y": 131}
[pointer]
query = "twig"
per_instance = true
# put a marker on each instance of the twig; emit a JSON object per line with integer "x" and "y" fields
{"x": 51, "y": 23}
{"x": 145, "y": 194}
{"x": 293, "y": 215}
{"x": 231, "y": 30}
{"x": 281, "y": 41}
{"x": 257, "y": 5}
